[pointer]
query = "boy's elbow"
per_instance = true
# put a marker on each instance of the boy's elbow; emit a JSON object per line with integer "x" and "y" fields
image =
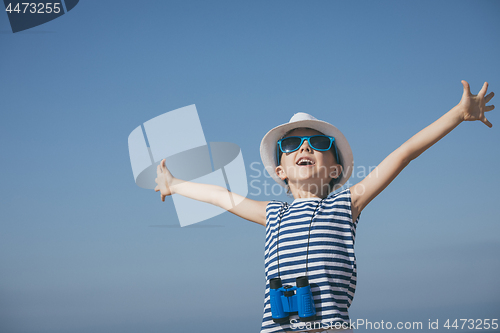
{"x": 214, "y": 197}
{"x": 404, "y": 155}
{"x": 220, "y": 197}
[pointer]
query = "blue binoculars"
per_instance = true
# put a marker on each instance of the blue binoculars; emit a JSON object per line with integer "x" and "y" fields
{"x": 286, "y": 300}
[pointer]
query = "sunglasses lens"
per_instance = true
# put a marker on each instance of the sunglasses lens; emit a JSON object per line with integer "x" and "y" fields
{"x": 290, "y": 144}
{"x": 320, "y": 142}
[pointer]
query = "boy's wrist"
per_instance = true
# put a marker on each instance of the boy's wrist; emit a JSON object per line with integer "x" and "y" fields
{"x": 172, "y": 185}
{"x": 458, "y": 113}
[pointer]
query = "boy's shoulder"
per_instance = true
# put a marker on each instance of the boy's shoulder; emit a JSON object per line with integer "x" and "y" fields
{"x": 341, "y": 194}
{"x": 273, "y": 204}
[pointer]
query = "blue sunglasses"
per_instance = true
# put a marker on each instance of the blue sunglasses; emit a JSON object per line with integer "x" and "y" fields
{"x": 316, "y": 142}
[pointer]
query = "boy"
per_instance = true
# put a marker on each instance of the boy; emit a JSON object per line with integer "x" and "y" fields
{"x": 314, "y": 235}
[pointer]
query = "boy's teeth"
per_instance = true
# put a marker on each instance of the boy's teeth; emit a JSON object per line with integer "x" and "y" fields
{"x": 305, "y": 161}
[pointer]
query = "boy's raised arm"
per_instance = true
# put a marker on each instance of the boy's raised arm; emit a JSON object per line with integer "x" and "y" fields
{"x": 470, "y": 108}
{"x": 248, "y": 209}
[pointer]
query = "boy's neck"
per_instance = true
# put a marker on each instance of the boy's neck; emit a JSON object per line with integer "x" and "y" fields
{"x": 309, "y": 191}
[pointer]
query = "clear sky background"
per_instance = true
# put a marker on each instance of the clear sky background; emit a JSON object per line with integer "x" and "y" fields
{"x": 84, "y": 249}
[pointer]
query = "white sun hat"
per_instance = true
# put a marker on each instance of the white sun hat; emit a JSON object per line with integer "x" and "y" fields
{"x": 269, "y": 144}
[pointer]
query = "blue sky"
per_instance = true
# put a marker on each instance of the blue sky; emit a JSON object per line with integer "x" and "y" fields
{"x": 83, "y": 248}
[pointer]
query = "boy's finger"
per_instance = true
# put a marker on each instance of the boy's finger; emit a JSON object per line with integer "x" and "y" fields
{"x": 487, "y": 123}
{"x": 163, "y": 197}
{"x": 156, "y": 188}
{"x": 489, "y": 97}
{"x": 482, "y": 92}
{"x": 489, "y": 108}
{"x": 466, "y": 88}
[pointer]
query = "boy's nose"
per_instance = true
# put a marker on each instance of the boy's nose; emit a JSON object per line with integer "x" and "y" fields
{"x": 305, "y": 147}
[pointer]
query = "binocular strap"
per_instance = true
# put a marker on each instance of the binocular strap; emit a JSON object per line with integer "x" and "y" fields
{"x": 308, "y": 236}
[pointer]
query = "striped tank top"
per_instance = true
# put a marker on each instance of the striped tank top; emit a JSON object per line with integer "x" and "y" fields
{"x": 331, "y": 263}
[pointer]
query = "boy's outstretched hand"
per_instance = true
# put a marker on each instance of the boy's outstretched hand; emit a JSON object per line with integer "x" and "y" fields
{"x": 163, "y": 180}
{"x": 472, "y": 107}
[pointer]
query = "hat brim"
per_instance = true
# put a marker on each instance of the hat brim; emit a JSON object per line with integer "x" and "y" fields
{"x": 268, "y": 147}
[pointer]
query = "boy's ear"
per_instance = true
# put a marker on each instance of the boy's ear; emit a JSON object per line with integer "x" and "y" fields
{"x": 280, "y": 171}
{"x": 336, "y": 172}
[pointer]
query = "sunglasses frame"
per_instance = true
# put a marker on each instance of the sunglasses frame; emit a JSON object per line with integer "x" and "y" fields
{"x": 304, "y": 138}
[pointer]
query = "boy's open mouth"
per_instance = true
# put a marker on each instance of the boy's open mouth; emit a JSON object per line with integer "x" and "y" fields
{"x": 304, "y": 161}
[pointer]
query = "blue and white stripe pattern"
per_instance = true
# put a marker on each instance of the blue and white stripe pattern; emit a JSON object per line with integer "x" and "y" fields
{"x": 331, "y": 263}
